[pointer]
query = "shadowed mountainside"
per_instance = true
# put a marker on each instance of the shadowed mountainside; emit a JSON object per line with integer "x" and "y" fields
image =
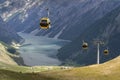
{"x": 106, "y": 29}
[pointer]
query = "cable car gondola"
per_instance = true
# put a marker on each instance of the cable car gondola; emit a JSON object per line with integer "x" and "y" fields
{"x": 85, "y": 45}
{"x": 106, "y": 52}
{"x": 45, "y": 23}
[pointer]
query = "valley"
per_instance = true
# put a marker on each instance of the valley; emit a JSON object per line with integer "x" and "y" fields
{"x": 37, "y": 46}
{"x": 40, "y": 50}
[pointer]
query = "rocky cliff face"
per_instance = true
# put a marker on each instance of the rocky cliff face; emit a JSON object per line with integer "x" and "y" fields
{"x": 106, "y": 29}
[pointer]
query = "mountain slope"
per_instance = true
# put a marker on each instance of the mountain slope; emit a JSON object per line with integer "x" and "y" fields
{"x": 106, "y": 29}
{"x": 107, "y": 71}
{"x": 70, "y": 18}
{"x": 4, "y": 56}
{"x": 7, "y": 34}
{"x": 26, "y": 14}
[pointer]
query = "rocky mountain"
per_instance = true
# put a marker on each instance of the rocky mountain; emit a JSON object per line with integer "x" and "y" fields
{"x": 68, "y": 18}
{"x": 107, "y": 29}
{"x": 15, "y": 12}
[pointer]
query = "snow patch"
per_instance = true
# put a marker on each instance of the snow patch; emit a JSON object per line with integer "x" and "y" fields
{"x": 28, "y": 4}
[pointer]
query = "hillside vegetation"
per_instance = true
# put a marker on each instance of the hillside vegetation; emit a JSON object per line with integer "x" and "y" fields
{"x": 106, "y": 71}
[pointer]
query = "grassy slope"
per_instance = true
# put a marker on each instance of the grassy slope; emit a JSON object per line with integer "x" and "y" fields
{"x": 4, "y": 56}
{"x": 107, "y": 71}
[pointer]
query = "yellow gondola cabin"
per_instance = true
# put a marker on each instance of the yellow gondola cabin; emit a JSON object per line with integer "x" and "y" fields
{"x": 45, "y": 23}
{"x": 85, "y": 45}
{"x": 106, "y": 52}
